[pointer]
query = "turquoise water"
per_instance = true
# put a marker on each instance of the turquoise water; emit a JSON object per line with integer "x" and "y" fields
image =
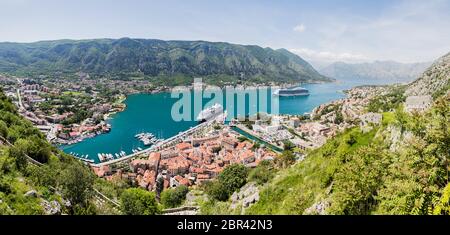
{"x": 152, "y": 113}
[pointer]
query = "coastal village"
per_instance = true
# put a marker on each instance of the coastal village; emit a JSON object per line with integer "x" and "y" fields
{"x": 66, "y": 112}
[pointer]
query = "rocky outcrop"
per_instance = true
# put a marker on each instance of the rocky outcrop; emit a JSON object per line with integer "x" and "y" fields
{"x": 51, "y": 208}
{"x": 31, "y": 193}
{"x": 433, "y": 80}
{"x": 318, "y": 208}
{"x": 247, "y": 195}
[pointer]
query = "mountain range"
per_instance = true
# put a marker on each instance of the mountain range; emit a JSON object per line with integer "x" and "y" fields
{"x": 389, "y": 71}
{"x": 156, "y": 58}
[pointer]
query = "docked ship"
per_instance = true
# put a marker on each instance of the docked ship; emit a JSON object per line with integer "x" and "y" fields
{"x": 210, "y": 113}
{"x": 296, "y": 91}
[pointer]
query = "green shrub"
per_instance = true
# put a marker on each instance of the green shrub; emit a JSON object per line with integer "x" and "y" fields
{"x": 136, "y": 201}
{"x": 174, "y": 197}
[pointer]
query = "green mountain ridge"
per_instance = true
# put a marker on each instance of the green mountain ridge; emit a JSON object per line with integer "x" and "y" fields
{"x": 156, "y": 58}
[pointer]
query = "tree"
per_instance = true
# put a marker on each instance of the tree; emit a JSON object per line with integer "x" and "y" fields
{"x": 286, "y": 159}
{"x": 229, "y": 180}
{"x": 443, "y": 206}
{"x": 339, "y": 118}
{"x": 216, "y": 149}
{"x": 242, "y": 138}
{"x": 216, "y": 190}
{"x": 351, "y": 139}
{"x": 174, "y": 197}
{"x": 136, "y": 201}
{"x": 3, "y": 129}
{"x": 18, "y": 152}
{"x": 288, "y": 145}
{"x": 77, "y": 184}
{"x": 233, "y": 177}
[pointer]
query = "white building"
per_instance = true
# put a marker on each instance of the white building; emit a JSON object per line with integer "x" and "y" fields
{"x": 418, "y": 103}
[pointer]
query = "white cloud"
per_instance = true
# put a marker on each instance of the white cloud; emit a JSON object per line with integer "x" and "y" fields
{"x": 299, "y": 28}
{"x": 328, "y": 56}
{"x": 405, "y": 31}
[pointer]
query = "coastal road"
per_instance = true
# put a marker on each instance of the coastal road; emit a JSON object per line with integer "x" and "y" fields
{"x": 18, "y": 93}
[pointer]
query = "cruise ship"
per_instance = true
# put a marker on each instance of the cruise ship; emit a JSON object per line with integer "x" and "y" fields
{"x": 296, "y": 91}
{"x": 210, "y": 113}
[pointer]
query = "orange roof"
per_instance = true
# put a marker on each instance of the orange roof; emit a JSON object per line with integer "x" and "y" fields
{"x": 183, "y": 146}
{"x": 202, "y": 176}
{"x": 182, "y": 180}
{"x": 155, "y": 156}
{"x": 247, "y": 154}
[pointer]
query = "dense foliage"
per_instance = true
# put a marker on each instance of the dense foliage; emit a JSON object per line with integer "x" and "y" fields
{"x": 174, "y": 197}
{"x": 229, "y": 180}
{"x": 388, "y": 101}
{"x": 136, "y": 201}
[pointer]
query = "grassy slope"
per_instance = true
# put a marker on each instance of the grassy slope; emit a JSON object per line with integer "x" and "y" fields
{"x": 298, "y": 187}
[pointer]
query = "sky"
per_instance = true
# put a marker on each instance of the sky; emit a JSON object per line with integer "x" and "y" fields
{"x": 319, "y": 31}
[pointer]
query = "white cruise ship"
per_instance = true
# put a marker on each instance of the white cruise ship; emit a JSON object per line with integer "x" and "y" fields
{"x": 210, "y": 113}
{"x": 296, "y": 91}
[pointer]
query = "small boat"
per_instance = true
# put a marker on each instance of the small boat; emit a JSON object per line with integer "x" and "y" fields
{"x": 87, "y": 160}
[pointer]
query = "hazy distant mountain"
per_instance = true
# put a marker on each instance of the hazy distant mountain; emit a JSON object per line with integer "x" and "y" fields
{"x": 156, "y": 58}
{"x": 379, "y": 70}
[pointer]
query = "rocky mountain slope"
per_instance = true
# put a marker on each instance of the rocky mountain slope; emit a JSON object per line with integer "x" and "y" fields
{"x": 434, "y": 81}
{"x": 154, "y": 58}
{"x": 389, "y": 71}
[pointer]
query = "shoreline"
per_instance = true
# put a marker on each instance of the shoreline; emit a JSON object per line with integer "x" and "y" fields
{"x": 106, "y": 117}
